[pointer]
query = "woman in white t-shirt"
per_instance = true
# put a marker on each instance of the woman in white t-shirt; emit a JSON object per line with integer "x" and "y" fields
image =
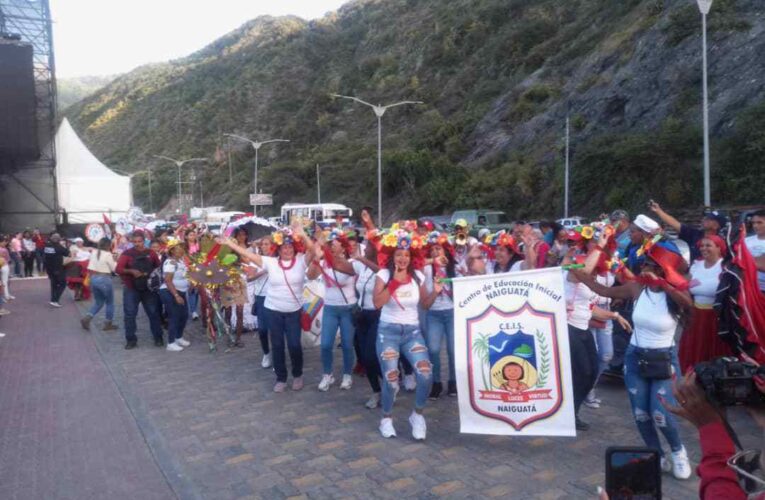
{"x": 661, "y": 301}
{"x": 440, "y": 316}
{"x": 283, "y": 303}
{"x": 172, "y": 293}
{"x": 399, "y": 289}
{"x": 260, "y": 283}
{"x": 331, "y": 263}
{"x": 700, "y": 341}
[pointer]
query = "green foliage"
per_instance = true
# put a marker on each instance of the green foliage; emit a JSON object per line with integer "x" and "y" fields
{"x": 686, "y": 21}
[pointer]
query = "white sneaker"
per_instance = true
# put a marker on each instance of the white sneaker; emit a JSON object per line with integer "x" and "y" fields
{"x": 2, "y": 335}
{"x": 410, "y": 383}
{"x": 681, "y": 466}
{"x": 194, "y": 316}
{"x": 592, "y": 402}
{"x": 419, "y": 429}
{"x": 266, "y": 363}
{"x": 373, "y": 401}
{"x": 182, "y": 342}
{"x": 386, "y": 428}
{"x": 666, "y": 465}
{"x": 174, "y": 347}
{"x": 55, "y": 304}
{"x": 4, "y": 311}
{"x": 11, "y": 297}
{"x": 326, "y": 381}
{"x": 347, "y": 382}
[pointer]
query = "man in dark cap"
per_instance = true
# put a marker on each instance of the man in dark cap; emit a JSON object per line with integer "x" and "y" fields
{"x": 712, "y": 223}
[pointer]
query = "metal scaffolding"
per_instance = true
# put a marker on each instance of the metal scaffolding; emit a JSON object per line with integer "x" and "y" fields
{"x": 30, "y": 21}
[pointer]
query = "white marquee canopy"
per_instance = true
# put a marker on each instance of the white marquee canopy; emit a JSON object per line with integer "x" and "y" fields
{"x": 86, "y": 187}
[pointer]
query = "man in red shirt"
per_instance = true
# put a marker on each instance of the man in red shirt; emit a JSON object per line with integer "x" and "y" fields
{"x": 134, "y": 267}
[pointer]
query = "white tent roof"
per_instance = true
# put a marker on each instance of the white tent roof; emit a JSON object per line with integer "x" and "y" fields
{"x": 86, "y": 187}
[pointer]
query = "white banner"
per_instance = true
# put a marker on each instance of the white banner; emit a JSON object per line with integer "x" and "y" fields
{"x": 512, "y": 354}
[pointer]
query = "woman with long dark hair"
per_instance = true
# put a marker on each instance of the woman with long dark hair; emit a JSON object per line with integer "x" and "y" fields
{"x": 661, "y": 302}
{"x": 440, "y": 316}
{"x": 101, "y": 267}
{"x": 399, "y": 289}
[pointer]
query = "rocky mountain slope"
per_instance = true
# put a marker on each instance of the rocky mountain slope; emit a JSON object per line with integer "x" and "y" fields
{"x": 497, "y": 78}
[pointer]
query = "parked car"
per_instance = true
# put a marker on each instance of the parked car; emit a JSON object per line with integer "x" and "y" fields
{"x": 493, "y": 220}
{"x": 570, "y": 222}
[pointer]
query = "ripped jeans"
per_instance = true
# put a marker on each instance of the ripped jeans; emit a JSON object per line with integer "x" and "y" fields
{"x": 392, "y": 341}
{"x": 647, "y": 410}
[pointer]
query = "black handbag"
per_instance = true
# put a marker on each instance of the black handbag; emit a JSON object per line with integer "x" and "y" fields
{"x": 655, "y": 364}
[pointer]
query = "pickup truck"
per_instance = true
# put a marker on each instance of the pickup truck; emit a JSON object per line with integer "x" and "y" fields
{"x": 493, "y": 220}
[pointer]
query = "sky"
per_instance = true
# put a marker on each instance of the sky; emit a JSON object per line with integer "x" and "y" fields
{"x": 105, "y": 37}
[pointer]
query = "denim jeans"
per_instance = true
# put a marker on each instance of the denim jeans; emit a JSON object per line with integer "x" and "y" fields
{"x": 103, "y": 293}
{"x": 150, "y": 302}
{"x": 647, "y": 410}
{"x": 177, "y": 314}
{"x": 332, "y": 318}
{"x": 441, "y": 324}
{"x": 366, "y": 333}
{"x": 16, "y": 260}
{"x": 39, "y": 259}
{"x": 283, "y": 326}
{"x": 259, "y": 310}
{"x": 192, "y": 300}
{"x": 604, "y": 340}
{"x": 392, "y": 341}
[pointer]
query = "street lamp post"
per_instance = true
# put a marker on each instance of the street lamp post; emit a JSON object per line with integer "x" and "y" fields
{"x": 566, "y": 174}
{"x": 318, "y": 185}
{"x": 256, "y": 146}
{"x": 379, "y": 112}
{"x": 179, "y": 164}
{"x": 704, "y": 7}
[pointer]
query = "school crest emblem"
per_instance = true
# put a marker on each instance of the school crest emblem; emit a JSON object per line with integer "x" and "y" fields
{"x": 514, "y": 365}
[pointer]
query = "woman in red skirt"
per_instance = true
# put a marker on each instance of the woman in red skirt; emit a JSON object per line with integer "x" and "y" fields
{"x": 700, "y": 341}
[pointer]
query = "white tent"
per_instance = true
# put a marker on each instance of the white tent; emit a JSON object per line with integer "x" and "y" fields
{"x": 86, "y": 187}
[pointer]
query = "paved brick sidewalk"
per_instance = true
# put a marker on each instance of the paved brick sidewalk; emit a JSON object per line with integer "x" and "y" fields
{"x": 218, "y": 431}
{"x": 65, "y": 430}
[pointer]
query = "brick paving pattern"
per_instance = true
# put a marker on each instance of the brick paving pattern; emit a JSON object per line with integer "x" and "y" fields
{"x": 218, "y": 431}
{"x": 65, "y": 431}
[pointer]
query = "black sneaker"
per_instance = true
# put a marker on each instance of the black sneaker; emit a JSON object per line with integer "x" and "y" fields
{"x": 581, "y": 425}
{"x": 159, "y": 343}
{"x": 131, "y": 344}
{"x": 452, "y": 389}
{"x": 435, "y": 390}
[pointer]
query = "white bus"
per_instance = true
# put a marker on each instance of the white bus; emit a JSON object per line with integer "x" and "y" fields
{"x": 322, "y": 213}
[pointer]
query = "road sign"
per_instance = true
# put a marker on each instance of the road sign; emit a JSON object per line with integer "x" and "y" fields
{"x": 261, "y": 199}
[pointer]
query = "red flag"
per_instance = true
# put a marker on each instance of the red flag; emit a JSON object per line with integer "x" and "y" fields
{"x": 106, "y": 219}
{"x": 750, "y": 299}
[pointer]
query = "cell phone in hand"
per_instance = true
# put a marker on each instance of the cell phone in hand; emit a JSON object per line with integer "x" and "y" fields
{"x": 633, "y": 473}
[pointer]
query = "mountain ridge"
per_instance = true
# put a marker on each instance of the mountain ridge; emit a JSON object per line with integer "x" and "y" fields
{"x": 495, "y": 76}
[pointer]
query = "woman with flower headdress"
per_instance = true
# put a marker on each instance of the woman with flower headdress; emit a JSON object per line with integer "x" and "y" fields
{"x": 331, "y": 262}
{"x": 661, "y": 301}
{"x": 283, "y": 304}
{"x": 503, "y": 255}
{"x": 172, "y": 293}
{"x": 440, "y": 315}
{"x": 399, "y": 289}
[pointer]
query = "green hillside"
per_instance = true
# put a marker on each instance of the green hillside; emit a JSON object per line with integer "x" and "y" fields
{"x": 496, "y": 76}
